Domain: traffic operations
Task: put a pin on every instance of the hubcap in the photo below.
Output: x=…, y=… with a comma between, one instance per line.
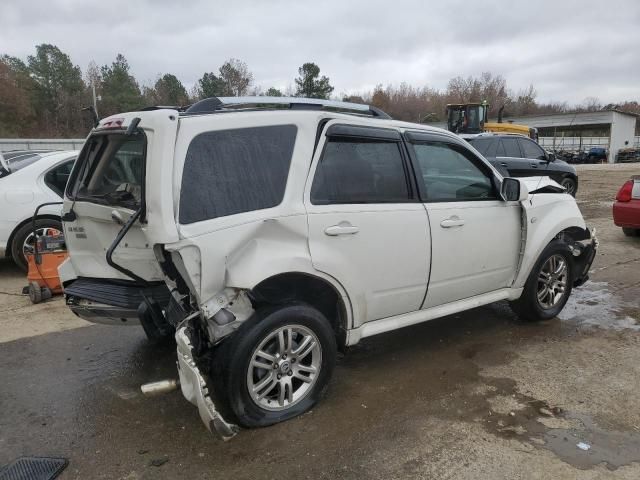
x=552, y=281
x=27, y=246
x=284, y=367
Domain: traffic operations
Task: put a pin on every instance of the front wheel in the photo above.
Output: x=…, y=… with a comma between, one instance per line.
x=278, y=364
x=570, y=185
x=631, y=232
x=549, y=284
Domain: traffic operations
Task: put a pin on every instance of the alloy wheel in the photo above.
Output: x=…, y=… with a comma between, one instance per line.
x=552, y=281
x=284, y=367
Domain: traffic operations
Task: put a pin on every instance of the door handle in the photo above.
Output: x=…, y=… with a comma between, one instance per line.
x=503, y=164
x=452, y=222
x=534, y=165
x=341, y=229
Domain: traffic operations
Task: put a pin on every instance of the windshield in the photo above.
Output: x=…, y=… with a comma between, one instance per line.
x=111, y=170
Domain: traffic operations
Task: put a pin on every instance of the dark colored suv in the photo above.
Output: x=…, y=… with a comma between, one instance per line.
x=519, y=156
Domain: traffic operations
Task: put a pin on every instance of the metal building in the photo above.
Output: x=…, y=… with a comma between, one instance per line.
x=611, y=129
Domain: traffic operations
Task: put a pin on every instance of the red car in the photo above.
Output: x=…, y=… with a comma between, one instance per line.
x=626, y=209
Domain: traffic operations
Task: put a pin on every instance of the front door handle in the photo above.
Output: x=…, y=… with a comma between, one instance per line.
x=504, y=164
x=534, y=165
x=450, y=222
x=343, y=228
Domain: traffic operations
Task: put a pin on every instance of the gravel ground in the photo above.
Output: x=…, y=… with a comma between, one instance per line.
x=474, y=395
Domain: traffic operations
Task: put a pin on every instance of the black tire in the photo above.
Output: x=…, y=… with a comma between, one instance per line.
x=631, y=232
x=35, y=292
x=23, y=233
x=527, y=306
x=235, y=356
x=571, y=185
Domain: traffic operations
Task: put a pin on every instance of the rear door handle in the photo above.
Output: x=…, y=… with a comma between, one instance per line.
x=341, y=229
x=504, y=164
x=452, y=222
x=534, y=165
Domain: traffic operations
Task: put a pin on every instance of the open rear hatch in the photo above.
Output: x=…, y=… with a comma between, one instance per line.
x=112, y=267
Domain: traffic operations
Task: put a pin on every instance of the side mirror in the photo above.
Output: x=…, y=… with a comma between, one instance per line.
x=551, y=157
x=513, y=190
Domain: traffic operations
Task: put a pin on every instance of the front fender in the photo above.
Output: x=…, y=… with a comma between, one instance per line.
x=545, y=215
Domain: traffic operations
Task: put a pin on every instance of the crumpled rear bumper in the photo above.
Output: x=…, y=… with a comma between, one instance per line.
x=194, y=388
x=584, y=258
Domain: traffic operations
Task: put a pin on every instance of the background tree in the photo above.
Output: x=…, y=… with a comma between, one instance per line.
x=120, y=91
x=16, y=113
x=309, y=84
x=211, y=86
x=168, y=90
x=236, y=77
x=59, y=91
x=273, y=92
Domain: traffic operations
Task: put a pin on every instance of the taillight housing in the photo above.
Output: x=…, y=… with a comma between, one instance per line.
x=624, y=194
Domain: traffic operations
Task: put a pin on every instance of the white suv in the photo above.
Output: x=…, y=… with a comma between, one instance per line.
x=266, y=233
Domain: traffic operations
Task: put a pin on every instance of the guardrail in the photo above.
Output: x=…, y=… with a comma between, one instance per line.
x=7, y=144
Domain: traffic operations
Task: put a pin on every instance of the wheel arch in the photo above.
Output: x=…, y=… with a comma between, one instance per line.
x=543, y=224
x=44, y=216
x=317, y=291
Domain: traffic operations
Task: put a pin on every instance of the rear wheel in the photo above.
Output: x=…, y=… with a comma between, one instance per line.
x=549, y=284
x=631, y=232
x=278, y=364
x=23, y=239
x=570, y=185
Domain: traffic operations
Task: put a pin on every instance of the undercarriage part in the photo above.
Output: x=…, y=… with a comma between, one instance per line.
x=160, y=387
x=195, y=389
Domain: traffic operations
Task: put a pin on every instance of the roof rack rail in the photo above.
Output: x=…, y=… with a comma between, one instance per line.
x=219, y=104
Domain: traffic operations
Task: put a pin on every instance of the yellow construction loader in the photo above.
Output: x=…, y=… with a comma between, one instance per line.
x=470, y=119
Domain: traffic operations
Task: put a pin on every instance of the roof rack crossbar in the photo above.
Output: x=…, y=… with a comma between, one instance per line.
x=210, y=105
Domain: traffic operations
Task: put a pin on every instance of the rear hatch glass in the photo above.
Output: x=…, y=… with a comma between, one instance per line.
x=110, y=170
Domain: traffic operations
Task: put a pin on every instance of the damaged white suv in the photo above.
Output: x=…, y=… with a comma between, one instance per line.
x=266, y=233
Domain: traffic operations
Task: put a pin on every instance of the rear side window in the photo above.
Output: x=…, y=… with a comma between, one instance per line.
x=360, y=171
x=56, y=178
x=488, y=147
x=511, y=148
x=233, y=171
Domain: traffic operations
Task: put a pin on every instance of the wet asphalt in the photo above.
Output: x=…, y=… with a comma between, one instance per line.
x=474, y=395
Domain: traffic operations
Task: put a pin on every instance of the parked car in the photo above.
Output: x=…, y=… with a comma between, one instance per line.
x=28, y=179
x=268, y=238
x=626, y=209
x=519, y=156
x=596, y=155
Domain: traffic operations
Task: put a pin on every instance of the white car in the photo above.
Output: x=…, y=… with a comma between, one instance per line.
x=267, y=238
x=29, y=179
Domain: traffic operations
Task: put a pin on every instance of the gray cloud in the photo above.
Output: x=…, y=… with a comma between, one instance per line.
x=568, y=50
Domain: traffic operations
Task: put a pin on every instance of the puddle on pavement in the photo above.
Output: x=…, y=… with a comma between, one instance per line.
x=596, y=306
x=548, y=427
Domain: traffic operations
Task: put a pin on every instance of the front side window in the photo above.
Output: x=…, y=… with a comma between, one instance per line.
x=531, y=149
x=233, y=171
x=111, y=170
x=450, y=173
x=355, y=170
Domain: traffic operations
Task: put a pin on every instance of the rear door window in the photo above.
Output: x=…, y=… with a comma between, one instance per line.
x=511, y=148
x=359, y=170
x=233, y=171
x=56, y=178
x=486, y=146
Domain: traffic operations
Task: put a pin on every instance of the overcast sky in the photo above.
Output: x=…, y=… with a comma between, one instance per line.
x=569, y=50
